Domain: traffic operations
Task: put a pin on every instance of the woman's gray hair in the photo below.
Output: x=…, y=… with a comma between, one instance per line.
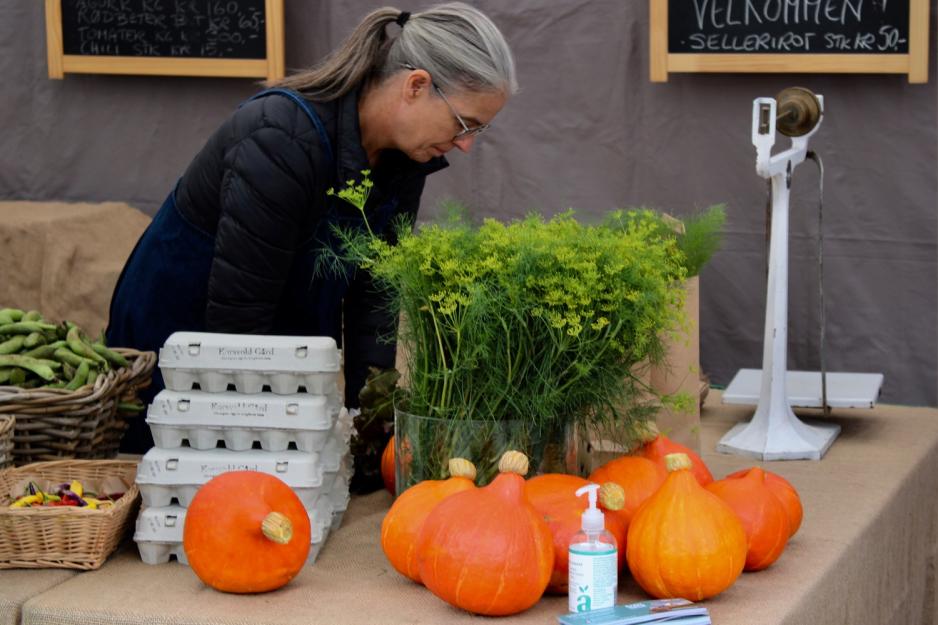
x=457, y=44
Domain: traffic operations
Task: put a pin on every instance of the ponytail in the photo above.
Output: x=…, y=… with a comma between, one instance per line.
x=458, y=45
x=350, y=64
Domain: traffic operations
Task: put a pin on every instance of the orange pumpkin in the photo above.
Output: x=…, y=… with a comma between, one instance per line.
x=554, y=496
x=685, y=541
x=387, y=466
x=659, y=446
x=785, y=492
x=487, y=550
x=246, y=532
x=763, y=516
x=638, y=477
x=401, y=525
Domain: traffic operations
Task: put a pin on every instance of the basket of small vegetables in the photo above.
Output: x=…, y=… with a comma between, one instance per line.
x=65, y=513
x=71, y=395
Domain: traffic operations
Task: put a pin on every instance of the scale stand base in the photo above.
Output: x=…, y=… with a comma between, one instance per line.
x=791, y=438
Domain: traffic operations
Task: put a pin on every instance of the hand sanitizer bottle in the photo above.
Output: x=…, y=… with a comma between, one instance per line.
x=594, y=560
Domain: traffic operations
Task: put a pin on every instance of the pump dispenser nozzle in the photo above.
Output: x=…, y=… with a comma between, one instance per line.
x=592, y=519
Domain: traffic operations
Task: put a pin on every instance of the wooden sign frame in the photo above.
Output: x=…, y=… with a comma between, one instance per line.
x=271, y=67
x=915, y=63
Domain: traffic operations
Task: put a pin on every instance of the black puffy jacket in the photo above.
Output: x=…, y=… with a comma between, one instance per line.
x=235, y=245
x=259, y=186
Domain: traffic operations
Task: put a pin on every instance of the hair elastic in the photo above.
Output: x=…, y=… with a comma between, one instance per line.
x=402, y=18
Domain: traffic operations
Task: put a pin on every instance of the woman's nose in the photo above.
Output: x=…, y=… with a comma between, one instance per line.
x=464, y=143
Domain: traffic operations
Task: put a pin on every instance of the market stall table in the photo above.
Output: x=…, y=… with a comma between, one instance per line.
x=17, y=586
x=866, y=552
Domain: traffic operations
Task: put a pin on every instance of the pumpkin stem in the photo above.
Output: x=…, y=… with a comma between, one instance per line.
x=611, y=496
x=513, y=462
x=460, y=467
x=277, y=527
x=675, y=462
x=647, y=432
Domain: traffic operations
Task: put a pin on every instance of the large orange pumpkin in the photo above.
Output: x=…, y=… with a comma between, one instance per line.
x=659, y=446
x=387, y=466
x=785, y=492
x=638, y=477
x=487, y=550
x=554, y=496
x=246, y=532
x=762, y=514
x=685, y=541
x=401, y=525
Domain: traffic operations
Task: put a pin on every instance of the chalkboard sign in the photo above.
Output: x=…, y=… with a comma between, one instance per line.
x=796, y=36
x=175, y=37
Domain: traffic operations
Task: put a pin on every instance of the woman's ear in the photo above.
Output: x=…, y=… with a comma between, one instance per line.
x=416, y=84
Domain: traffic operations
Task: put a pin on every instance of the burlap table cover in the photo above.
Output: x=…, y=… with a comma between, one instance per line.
x=866, y=553
x=17, y=586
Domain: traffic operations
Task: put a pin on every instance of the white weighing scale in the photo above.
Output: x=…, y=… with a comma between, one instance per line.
x=775, y=433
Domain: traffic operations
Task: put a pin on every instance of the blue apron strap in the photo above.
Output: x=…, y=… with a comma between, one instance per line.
x=303, y=104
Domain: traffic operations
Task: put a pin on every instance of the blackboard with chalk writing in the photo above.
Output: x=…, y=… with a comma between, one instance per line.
x=789, y=26
x=180, y=28
x=187, y=37
x=789, y=36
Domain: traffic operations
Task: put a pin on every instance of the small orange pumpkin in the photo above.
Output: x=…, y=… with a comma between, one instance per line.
x=401, y=525
x=685, y=541
x=785, y=492
x=658, y=446
x=246, y=532
x=554, y=496
x=387, y=466
x=638, y=477
x=762, y=514
x=487, y=550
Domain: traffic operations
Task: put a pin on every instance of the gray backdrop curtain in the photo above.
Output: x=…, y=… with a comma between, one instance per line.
x=588, y=131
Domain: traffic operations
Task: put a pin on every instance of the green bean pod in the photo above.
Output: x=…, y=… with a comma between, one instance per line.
x=42, y=368
x=17, y=376
x=77, y=345
x=81, y=375
x=45, y=351
x=113, y=357
x=25, y=327
x=34, y=339
x=65, y=355
x=13, y=313
x=13, y=345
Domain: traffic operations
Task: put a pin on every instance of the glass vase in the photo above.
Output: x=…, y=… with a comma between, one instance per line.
x=424, y=445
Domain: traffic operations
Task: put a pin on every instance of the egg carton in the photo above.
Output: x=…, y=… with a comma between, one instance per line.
x=165, y=475
x=214, y=361
x=339, y=495
x=241, y=420
x=159, y=532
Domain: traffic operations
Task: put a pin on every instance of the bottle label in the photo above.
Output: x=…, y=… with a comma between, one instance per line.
x=593, y=578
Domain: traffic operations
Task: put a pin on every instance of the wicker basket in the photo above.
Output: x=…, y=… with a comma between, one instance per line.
x=6, y=440
x=104, y=441
x=54, y=424
x=65, y=537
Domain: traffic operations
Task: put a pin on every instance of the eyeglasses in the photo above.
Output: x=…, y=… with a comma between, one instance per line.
x=466, y=131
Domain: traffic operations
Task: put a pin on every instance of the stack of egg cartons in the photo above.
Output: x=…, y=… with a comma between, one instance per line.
x=299, y=425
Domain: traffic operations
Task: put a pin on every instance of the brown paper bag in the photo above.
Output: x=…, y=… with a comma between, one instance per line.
x=680, y=373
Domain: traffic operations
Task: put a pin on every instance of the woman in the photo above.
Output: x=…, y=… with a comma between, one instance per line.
x=234, y=246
